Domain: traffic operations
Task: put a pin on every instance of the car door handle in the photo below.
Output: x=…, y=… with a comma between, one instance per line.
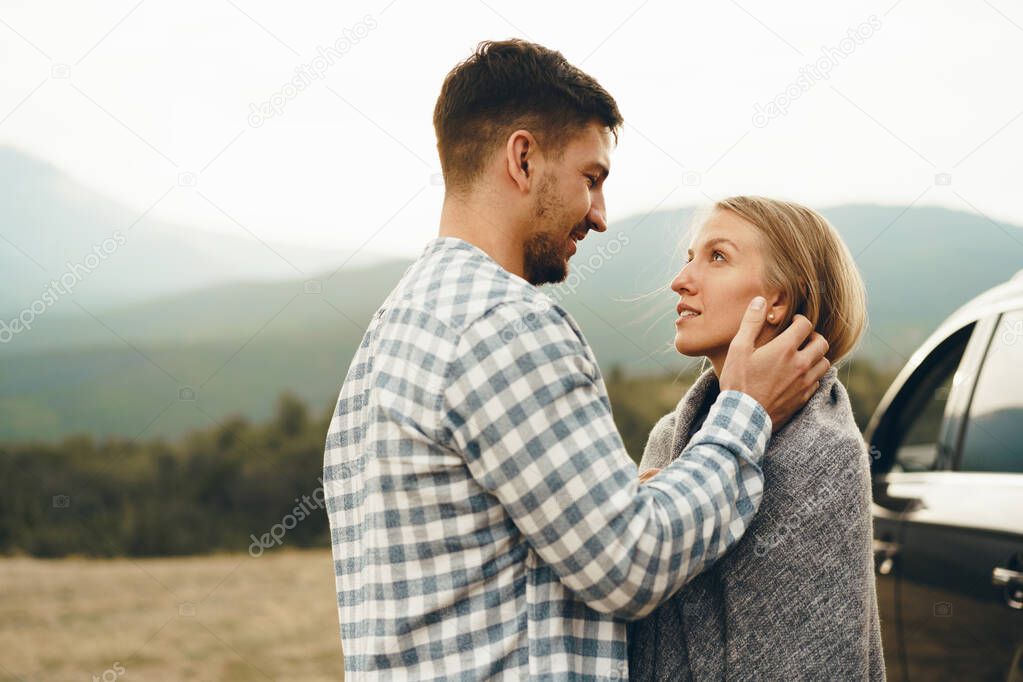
x=884, y=556
x=1012, y=582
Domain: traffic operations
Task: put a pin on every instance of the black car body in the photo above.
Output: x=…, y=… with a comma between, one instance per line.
x=946, y=444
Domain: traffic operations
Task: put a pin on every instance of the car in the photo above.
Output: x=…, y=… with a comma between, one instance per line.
x=946, y=446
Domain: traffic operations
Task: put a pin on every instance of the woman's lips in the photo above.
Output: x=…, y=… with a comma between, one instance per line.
x=685, y=318
x=685, y=312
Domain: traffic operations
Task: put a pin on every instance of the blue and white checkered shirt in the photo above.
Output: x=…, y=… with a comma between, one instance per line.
x=486, y=520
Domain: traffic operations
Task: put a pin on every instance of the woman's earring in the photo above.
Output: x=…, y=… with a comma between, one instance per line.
x=771, y=317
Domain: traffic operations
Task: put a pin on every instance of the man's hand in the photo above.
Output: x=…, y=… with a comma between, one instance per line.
x=782, y=374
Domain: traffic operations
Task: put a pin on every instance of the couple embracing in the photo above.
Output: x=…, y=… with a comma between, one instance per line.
x=486, y=520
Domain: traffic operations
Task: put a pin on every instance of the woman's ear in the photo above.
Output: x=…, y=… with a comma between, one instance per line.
x=777, y=308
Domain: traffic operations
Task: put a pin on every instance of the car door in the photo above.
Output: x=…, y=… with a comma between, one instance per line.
x=960, y=581
x=912, y=441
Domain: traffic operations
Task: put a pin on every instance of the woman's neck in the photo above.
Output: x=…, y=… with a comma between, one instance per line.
x=717, y=361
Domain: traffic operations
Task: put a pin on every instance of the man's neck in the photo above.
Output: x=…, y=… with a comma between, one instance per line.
x=472, y=224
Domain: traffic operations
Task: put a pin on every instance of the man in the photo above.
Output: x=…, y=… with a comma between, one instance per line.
x=486, y=520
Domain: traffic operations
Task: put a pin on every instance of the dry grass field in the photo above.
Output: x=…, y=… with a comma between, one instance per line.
x=221, y=617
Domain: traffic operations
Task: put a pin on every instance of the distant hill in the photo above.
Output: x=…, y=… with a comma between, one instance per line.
x=919, y=264
x=47, y=221
x=161, y=356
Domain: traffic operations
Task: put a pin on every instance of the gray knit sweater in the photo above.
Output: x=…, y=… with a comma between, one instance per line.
x=795, y=598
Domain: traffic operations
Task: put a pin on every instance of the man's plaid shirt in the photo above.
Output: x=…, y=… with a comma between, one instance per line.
x=486, y=520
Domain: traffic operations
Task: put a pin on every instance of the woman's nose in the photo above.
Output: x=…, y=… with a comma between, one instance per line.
x=683, y=282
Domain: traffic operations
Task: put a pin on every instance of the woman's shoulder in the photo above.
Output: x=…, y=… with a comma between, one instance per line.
x=817, y=471
x=828, y=412
x=824, y=433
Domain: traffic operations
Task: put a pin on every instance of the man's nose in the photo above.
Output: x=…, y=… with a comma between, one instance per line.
x=597, y=216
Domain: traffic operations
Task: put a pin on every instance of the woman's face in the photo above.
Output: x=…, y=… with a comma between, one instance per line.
x=724, y=272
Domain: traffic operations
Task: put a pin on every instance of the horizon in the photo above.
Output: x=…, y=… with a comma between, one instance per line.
x=370, y=258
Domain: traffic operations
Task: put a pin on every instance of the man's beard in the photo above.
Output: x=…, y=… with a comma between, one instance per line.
x=544, y=260
x=544, y=253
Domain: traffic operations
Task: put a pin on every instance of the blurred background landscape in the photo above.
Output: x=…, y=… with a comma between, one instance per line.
x=181, y=417
x=191, y=247
x=188, y=416
x=219, y=327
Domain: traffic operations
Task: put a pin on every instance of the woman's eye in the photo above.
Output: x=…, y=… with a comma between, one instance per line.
x=714, y=255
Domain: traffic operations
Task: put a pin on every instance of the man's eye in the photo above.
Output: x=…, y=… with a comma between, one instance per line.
x=591, y=180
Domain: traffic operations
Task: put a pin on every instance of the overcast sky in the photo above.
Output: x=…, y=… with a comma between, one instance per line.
x=159, y=104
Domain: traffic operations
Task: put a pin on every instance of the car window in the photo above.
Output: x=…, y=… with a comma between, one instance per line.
x=994, y=430
x=921, y=411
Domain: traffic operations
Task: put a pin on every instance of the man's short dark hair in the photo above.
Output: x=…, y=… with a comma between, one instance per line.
x=507, y=85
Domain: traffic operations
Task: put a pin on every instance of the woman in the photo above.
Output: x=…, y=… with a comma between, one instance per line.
x=795, y=598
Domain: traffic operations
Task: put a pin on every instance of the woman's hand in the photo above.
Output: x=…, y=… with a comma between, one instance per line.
x=646, y=475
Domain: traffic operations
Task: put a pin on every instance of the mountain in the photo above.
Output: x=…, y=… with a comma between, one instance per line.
x=148, y=354
x=51, y=226
x=918, y=264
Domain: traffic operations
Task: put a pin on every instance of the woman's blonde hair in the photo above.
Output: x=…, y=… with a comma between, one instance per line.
x=805, y=257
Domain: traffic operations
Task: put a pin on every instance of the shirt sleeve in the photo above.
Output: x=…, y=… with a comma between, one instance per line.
x=525, y=406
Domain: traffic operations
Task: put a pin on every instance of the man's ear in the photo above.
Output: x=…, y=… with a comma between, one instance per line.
x=522, y=158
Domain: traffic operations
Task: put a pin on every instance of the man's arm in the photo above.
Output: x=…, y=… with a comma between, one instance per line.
x=781, y=375
x=523, y=405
